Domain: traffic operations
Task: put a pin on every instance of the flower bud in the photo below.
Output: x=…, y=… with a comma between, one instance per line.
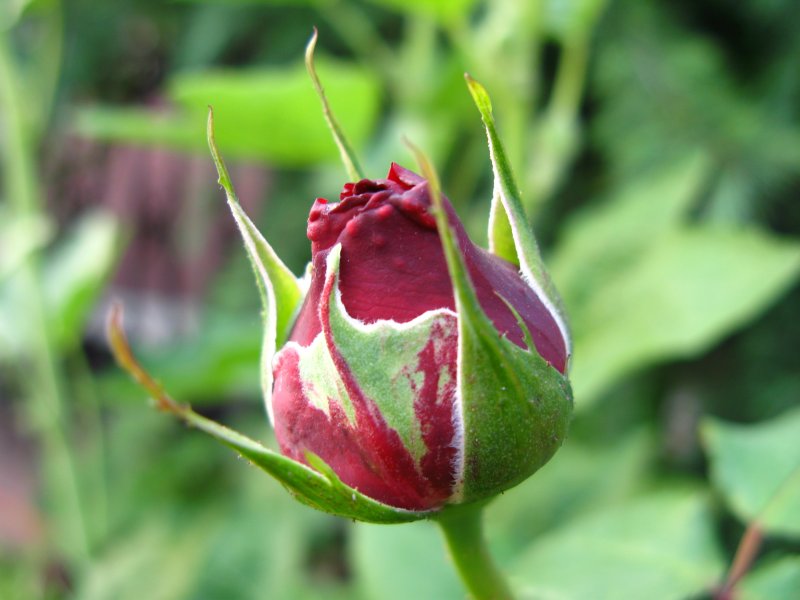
x=385, y=378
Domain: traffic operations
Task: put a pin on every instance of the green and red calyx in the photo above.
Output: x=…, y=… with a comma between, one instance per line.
x=414, y=370
x=373, y=378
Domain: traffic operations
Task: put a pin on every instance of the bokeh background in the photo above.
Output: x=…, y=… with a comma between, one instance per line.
x=657, y=146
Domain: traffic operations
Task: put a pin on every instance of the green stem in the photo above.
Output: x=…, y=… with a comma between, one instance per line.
x=369, y=45
x=44, y=381
x=557, y=127
x=463, y=531
x=19, y=174
x=571, y=76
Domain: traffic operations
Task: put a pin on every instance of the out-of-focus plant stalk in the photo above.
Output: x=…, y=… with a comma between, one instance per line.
x=44, y=383
x=368, y=45
x=541, y=164
x=557, y=130
x=753, y=537
x=515, y=87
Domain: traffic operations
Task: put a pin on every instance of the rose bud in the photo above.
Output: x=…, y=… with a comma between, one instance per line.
x=417, y=372
x=370, y=379
x=418, y=375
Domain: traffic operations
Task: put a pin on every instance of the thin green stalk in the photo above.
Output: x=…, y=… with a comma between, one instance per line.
x=346, y=152
x=519, y=88
x=462, y=527
x=571, y=76
x=557, y=127
x=83, y=387
x=19, y=173
x=418, y=56
x=44, y=382
x=46, y=64
x=367, y=44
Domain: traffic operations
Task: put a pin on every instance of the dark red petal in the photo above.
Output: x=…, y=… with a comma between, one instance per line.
x=393, y=266
x=408, y=179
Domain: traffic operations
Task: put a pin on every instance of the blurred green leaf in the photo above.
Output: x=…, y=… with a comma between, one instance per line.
x=580, y=477
x=442, y=10
x=780, y=578
x=219, y=362
x=566, y=18
x=659, y=546
x=75, y=272
x=757, y=469
x=141, y=126
x=231, y=551
x=19, y=576
x=690, y=288
x=606, y=237
x=262, y=544
x=398, y=563
x=269, y=114
x=11, y=11
x=675, y=88
x=131, y=569
x=250, y=535
x=19, y=237
x=266, y=2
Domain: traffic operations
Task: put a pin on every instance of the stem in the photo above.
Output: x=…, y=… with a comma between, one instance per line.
x=44, y=380
x=346, y=151
x=462, y=527
x=745, y=555
x=571, y=76
x=369, y=45
x=750, y=544
x=557, y=127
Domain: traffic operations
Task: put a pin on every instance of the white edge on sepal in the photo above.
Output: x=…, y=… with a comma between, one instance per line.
x=531, y=265
x=270, y=309
x=467, y=306
x=304, y=282
x=458, y=442
x=258, y=250
x=528, y=274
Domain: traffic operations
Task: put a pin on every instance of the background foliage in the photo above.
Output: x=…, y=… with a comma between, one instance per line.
x=658, y=147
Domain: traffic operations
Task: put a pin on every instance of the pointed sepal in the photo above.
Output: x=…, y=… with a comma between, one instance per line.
x=346, y=151
x=510, y=236
x=515, y=407
x=317, y=486
x=281, y=292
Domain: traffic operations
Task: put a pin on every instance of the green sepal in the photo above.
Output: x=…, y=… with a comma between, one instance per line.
x=346, y=152
x=281, y=292
x=510, y=236
x=516, y=408
x=318, y=487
